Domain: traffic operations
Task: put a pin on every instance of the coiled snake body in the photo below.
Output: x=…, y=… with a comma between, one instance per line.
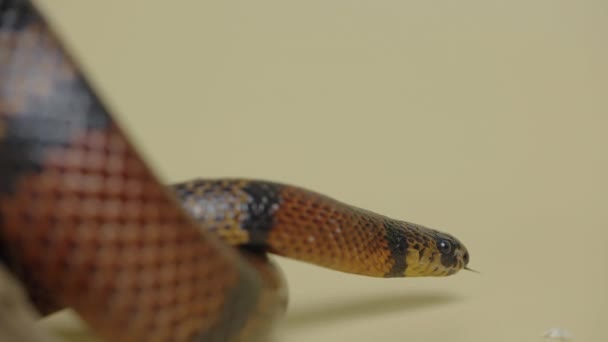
x=84, y=222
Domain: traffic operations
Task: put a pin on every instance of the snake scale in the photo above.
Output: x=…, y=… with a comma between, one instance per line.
x=86, y=224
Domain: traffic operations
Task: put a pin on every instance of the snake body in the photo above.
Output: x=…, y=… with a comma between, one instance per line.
x=85, y=222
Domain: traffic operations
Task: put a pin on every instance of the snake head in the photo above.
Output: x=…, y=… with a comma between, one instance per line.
x=434, y=253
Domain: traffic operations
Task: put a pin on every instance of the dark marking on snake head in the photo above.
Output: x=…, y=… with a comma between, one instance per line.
x=398, y=245
x=264, y=200
x=421, y=252
x=447, y=246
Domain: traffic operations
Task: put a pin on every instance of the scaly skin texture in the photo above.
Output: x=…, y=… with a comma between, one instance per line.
x=85, y=223
x=308, y=226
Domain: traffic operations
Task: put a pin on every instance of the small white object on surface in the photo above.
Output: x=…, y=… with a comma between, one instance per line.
x=558, y=334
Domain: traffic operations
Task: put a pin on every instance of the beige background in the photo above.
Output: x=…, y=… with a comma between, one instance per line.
x=485, y=119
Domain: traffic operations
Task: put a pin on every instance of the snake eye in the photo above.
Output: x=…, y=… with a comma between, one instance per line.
x=444, y=246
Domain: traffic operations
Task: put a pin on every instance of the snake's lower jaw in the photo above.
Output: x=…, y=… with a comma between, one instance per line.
x=428, y=271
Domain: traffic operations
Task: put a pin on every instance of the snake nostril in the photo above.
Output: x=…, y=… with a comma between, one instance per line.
x=465, y=258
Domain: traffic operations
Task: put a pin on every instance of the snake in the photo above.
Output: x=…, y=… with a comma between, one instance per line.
x=86, y=223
